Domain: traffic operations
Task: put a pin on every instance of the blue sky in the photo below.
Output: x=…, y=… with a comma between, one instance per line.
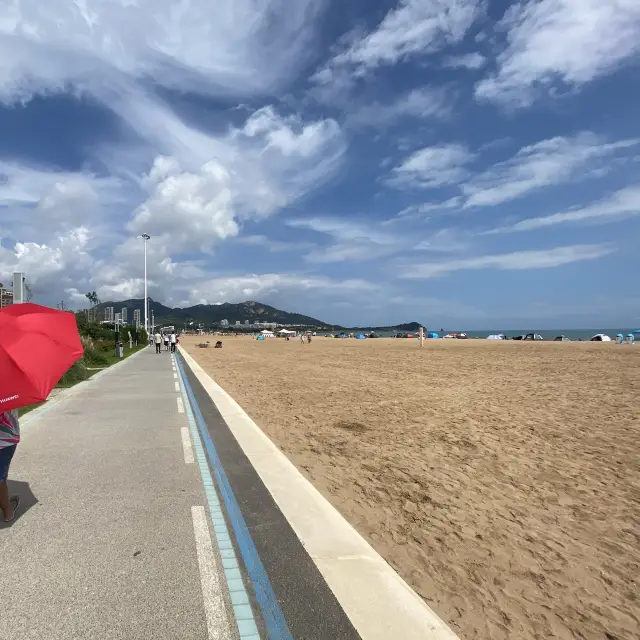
x=463, y=163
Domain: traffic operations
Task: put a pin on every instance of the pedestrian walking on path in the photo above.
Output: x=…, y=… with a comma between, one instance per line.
x=158, y=340
x=9, y=439
x=172, y=340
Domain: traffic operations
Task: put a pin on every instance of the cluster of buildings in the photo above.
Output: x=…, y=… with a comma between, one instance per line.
x=247, y=324
x=109, y=315
x=224, y=324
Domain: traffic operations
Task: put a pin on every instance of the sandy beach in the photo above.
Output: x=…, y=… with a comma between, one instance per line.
x=501, y=480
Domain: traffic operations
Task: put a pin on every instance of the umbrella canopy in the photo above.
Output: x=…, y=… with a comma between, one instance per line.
x=37, y=346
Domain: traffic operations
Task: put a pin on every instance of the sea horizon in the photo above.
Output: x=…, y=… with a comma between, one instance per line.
x=547, y=334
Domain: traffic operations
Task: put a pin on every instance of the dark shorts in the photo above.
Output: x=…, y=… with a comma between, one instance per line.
x=6, y=453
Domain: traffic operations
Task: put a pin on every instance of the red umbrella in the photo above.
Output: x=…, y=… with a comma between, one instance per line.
x=37, y=346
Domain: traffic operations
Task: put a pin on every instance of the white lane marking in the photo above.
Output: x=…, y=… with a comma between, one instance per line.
x=177, y=386
x=214, y=606
x=180, y=405
x=186, y=445
x=175, y=375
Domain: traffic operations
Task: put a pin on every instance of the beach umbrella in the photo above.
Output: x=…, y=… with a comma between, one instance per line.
x=37, y=346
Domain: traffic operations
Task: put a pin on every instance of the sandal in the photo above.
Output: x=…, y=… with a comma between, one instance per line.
x=15, y=501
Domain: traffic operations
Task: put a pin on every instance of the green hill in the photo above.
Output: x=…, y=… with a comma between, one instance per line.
x=209, y=314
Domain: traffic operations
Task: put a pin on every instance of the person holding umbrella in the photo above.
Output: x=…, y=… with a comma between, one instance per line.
x=37, y=347
x=9, y=439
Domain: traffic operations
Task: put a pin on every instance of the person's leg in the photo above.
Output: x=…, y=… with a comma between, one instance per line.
x=6, y=506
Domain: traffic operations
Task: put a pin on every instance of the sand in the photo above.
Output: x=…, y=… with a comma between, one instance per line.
x=501, y=480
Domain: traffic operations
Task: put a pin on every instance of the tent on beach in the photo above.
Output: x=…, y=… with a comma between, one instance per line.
x=600, y=337
x=267, y=334
x=361, y=336
x=496, y=336
x=433, y=335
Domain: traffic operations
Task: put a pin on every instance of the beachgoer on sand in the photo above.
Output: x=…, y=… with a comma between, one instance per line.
x=9, y=439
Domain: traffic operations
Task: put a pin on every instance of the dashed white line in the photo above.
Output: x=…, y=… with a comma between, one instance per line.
x=177, y=386
x=175, y=375
x=214, y=606
x=186, y=446
x=180, y=405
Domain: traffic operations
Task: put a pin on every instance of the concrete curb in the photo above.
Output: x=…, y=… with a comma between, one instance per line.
x=71, y=391
x=379, y=603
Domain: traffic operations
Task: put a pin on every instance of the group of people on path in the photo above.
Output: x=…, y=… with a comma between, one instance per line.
x=170, y=340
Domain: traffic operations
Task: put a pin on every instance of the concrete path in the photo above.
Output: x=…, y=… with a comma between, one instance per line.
x=113, y=540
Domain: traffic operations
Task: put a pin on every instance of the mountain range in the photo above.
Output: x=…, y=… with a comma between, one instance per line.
x=250, y=310
x=214, y=313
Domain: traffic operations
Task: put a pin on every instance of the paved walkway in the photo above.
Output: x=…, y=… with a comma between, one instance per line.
x=106, y=547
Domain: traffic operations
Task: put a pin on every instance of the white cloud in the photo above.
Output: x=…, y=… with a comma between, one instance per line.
x=37, y=196
x=269, y=285
x=49, y=265
x=426, y=208
x=443, y=241
x=545, y=163
x=624, y=203
x=465, y=61
x=193, y=210
x=357, y=241
x=434, y=166
x=351, y=240
x=415, y=27
x=257, y=169
x=421, y=104
x=571, y=41
x=236, y=48
x=519, y=260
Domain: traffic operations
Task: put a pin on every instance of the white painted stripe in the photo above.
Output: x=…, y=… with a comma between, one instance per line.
x=186, y=446
x=379, y=603
x=175, y=374
x=177, y=386
x=180, y=405
x=214, y=606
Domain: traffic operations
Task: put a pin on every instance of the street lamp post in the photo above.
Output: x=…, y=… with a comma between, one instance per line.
x=146, y=237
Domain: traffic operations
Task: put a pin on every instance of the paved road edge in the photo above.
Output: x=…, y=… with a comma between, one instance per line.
x=375, y=598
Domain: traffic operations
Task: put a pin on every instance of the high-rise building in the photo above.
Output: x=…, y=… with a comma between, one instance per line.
x=118, y=318
x=108, y=314
x=6, y=296
x=246, y=322
x=124, y=315
x=237, y=323
x=224, y=323
x=19, y=288
x=136, y=317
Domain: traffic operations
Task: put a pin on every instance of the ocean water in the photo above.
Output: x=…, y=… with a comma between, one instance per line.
x=547, y=334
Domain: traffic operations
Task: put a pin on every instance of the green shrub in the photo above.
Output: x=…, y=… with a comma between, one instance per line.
x=96, y=359
x=76, y=373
